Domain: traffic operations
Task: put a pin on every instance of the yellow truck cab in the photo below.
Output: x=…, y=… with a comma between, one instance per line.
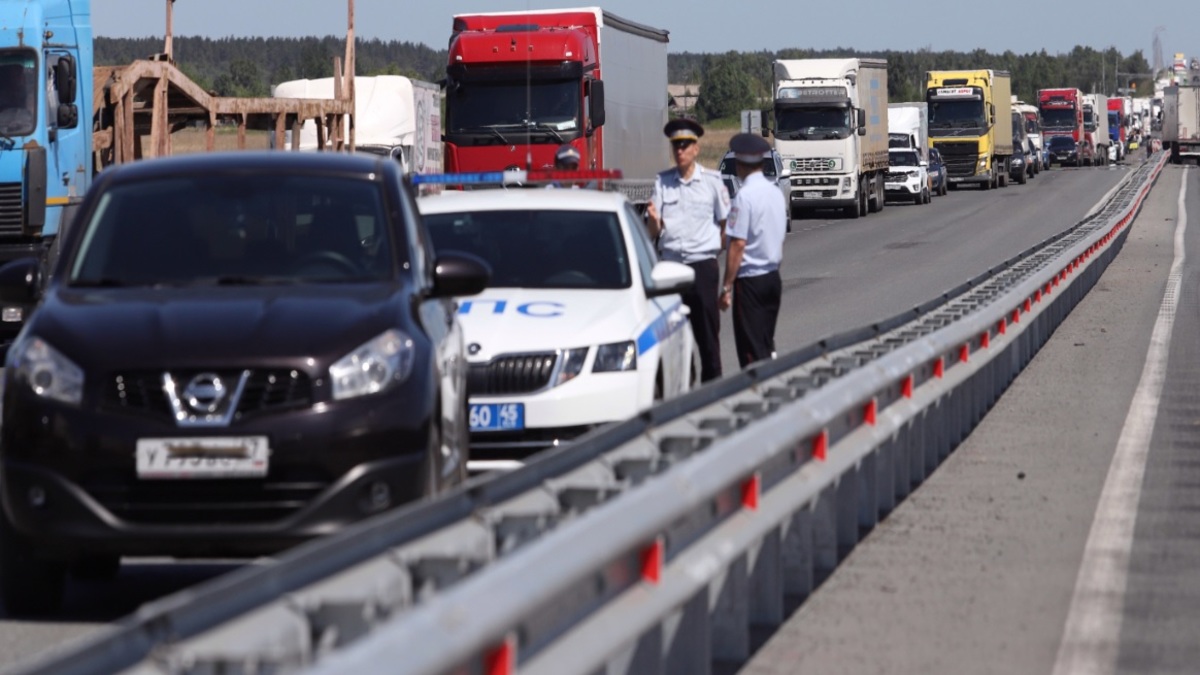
x=970, y=124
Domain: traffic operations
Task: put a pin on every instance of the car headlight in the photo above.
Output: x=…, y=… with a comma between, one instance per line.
x=374, y=366
x=572, y=365
x=615, y=358
x=48, y=373
x=914, y=174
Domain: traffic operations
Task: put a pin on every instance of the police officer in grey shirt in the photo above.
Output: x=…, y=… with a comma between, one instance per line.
x=687, y=214
x=757, y=225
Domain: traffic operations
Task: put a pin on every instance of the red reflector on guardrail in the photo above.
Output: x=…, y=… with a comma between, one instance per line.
x=502, y=660
x=652, y=562
x=750, y=492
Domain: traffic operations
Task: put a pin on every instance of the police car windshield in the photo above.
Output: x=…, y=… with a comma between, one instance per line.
x=531, y=248
x=236, y=229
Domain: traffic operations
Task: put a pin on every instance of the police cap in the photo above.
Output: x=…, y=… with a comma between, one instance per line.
x=566, y=154
x=749, y=148
x=683, y=129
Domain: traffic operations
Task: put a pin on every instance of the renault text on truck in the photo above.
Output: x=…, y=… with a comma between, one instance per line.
x=831, y=128
x=1095, y=126
x=1062, y=115
x=519, y=84
x=970, y=123
x=45, y=130
x=1181, y=123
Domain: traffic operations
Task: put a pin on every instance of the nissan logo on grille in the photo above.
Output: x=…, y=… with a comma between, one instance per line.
x=205, y=392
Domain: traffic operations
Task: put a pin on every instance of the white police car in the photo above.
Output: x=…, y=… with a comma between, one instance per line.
x=581, y=325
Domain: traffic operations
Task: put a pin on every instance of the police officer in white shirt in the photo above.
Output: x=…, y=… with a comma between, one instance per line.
x=687, y=214
x=757, y=225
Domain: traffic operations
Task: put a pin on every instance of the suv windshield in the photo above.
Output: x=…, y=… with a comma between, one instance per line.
x=729, y=166
x=236, y=229
x=908, y=158
x=531, y=248
x=18, y=92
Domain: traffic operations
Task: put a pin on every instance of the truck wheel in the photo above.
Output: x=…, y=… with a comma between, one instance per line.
x=1002, y=180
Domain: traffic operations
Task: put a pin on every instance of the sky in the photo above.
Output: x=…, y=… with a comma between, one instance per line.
x=708, y=25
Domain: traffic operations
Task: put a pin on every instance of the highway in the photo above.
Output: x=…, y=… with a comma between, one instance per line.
x=978, y=570
x=953, y=586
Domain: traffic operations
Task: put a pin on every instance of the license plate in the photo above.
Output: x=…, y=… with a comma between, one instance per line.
x=497, y=416
x=209, y=457
x=812, y=195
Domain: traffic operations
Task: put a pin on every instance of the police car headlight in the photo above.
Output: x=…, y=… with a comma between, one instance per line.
x=572, y=365
x=46, y=371
x=616, y=357
x=374, y=366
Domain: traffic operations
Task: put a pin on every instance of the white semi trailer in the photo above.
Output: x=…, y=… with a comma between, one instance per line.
x=831, y=129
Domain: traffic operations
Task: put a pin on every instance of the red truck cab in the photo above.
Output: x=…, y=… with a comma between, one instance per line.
x=518, y=85
x=1062, y=115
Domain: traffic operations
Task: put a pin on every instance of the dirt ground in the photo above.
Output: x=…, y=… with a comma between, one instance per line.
x=188, y=141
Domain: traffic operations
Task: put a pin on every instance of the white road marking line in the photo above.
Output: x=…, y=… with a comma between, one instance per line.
x=1091, y=639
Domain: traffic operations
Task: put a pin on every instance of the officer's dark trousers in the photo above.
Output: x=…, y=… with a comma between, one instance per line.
x=755, y=310
x=705, y=317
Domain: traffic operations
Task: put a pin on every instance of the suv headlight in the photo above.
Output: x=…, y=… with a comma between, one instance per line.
x=616, y=357
x=48, y=373
x=374, y=366
x=572, y=365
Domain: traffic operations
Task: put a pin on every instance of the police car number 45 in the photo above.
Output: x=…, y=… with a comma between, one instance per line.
x=497, y=416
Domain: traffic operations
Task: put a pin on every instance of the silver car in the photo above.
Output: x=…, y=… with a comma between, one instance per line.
x=773, y=170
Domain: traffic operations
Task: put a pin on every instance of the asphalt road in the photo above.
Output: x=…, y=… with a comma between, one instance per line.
x=838, y=274
x=977, y=571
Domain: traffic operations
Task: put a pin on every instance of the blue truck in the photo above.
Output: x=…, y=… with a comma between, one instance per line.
x=45, y=129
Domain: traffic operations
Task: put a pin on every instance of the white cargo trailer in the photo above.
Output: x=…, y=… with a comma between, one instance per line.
x=393, y=116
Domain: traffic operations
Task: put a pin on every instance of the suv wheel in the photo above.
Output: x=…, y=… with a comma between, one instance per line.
x=27, y=586
x=96, y=568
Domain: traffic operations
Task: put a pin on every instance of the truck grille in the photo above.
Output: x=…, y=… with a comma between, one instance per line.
x=960, y=158
x=266, y=391
x=11, y=210
x=814, y=164
x=516, y=374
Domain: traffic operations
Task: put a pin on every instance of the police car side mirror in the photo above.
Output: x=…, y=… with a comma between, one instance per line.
x=669, y=277
x=459, y=273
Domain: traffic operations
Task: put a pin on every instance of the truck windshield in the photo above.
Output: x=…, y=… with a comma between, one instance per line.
x=812, y=123
x=957, y=115
x=531, y=248
x=1031, y=125
x=1113, y=120
x=548, y=107
x=1058, y=118
x=1089, y=120
x=18, y=92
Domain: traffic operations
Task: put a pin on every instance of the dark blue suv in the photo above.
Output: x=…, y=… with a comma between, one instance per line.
x=937, y=172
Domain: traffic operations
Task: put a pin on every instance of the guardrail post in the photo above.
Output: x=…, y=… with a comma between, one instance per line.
x=799, y=548
x=868, y=490
x=643, y=657
x=893, y=461
x=825, y=535
x=688, y=644
x=766, y=580
x=729, y=607
x=847, y=511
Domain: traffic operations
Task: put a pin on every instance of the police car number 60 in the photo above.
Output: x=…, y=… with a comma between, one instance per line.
x=497, y=416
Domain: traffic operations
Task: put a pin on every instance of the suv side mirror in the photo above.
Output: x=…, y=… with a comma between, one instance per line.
x=20, y=279
x=460, y=273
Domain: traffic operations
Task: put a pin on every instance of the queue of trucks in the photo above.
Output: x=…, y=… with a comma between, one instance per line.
x=520, y=84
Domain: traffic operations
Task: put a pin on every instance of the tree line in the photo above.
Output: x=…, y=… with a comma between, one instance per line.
x=727, y=82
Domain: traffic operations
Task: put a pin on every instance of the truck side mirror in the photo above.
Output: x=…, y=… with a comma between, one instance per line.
x=862, y=122
x=67, y=116
x=596, y=104
x=64, y=79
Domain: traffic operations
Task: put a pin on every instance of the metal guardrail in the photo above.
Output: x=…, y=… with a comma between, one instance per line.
x=654, y=544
